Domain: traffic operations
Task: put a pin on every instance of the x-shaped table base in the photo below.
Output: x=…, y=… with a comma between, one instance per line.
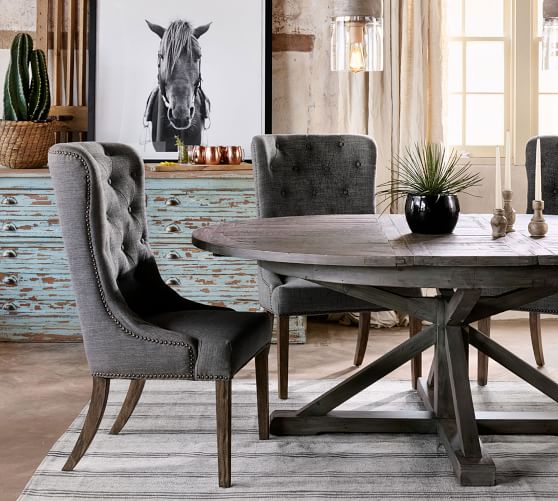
x=446, y=392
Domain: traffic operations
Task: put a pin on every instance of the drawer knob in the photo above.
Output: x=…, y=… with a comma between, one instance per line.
x=172, y=281
x=172, y=228
x=9, y=253
x=173, y=255
x=9, y=201
x=172, y=201
x=9, y=307
x=9, y=280
x=9, y=227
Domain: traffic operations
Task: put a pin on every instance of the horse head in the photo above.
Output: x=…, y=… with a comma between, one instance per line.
x=180, y=71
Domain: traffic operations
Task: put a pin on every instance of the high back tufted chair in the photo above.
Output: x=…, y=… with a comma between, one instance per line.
x=549, y=305
x=301, y=175
x=134, y=326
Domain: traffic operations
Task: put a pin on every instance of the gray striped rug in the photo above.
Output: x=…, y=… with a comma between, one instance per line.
x=167, y=451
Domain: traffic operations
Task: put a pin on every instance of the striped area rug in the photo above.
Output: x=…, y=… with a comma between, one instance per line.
x=168, y=451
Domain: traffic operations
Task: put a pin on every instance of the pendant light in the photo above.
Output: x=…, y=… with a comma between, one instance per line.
x=357, y=36
x=550, y=36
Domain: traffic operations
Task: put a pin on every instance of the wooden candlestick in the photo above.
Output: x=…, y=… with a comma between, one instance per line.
x=499, y=223
x=509, y=212
x=537, y=226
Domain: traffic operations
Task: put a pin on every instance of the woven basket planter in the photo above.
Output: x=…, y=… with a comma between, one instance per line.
x=25, y=145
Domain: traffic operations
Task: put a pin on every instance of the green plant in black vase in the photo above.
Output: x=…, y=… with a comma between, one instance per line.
x=429, y=177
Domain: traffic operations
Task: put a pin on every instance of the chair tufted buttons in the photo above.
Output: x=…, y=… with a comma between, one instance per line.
x=358, y=164
x=296, y=168
x=555, y=191
x=283, y=193
x=130, y=209
x=109, y=181
x=345, y=191
x=122, y=247
x=341, y=144
x=308, y=146
x=142, y=240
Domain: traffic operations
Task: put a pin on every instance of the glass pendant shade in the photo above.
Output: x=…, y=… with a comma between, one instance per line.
x=550, y=36
x=357, y=44
x=357, y=36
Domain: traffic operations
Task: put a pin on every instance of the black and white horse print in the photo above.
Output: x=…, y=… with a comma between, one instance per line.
x=178, y=106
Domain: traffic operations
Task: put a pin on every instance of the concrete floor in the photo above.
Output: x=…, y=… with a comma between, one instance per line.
x=44, y=386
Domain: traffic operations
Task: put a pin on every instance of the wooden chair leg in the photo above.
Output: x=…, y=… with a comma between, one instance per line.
x=283, y=356
x=223, y=401
x=99, y=395
x=536, y=338
x=482, y=359
x=415, y=326
x=132, y=398
x=262, y=391
x=362, y=340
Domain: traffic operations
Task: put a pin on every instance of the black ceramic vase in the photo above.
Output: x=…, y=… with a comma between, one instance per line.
x=432, y=214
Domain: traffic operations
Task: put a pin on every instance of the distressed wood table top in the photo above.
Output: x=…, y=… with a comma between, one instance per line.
x=379, y=241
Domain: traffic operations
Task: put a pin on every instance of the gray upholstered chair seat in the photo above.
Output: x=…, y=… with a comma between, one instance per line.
x=300, y=297
x=546, y=305
x=226, y=340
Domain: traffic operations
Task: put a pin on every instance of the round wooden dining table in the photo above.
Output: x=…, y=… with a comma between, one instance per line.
x=377, y=258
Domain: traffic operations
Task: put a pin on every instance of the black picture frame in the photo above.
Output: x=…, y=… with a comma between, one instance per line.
x=92, y=97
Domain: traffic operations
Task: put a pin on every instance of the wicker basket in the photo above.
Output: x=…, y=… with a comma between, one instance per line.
x=24, y=145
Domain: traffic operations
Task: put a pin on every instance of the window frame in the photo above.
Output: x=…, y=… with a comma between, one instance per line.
x=486, y=151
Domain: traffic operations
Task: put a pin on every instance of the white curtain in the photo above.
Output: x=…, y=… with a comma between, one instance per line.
x=404, y=104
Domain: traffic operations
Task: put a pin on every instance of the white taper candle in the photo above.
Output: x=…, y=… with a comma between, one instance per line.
x=538, y=173
x=507, y=179
x=498, y=181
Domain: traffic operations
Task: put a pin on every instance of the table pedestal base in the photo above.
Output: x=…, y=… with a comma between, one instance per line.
x=446, y=393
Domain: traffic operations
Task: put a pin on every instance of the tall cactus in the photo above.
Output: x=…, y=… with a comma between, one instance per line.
x=39, y=99
x=25, y=97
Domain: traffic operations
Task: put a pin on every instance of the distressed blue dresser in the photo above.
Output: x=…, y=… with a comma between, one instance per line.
x=36, y=298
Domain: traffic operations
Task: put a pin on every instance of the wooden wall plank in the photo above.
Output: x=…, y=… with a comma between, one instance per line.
x=292, y=42
x=41, y=38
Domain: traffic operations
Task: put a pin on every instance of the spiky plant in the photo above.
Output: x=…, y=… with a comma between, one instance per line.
x=26, y=88
x=428, y=169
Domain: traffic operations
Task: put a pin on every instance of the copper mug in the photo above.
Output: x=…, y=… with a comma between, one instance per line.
x=198, y=155
x=213, y=155
x=235, y=155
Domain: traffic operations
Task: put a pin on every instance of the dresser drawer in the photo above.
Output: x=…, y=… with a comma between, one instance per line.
x=28, y=203
x=19, y=225
x=32, y=256
x=217, y=199
x=37, y=307
x=21, y=326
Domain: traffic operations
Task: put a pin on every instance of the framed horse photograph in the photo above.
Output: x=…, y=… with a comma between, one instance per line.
x=190, y=71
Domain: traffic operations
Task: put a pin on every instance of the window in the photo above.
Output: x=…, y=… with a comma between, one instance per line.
x=478, y=74
x=495, y=81
x=547, y=88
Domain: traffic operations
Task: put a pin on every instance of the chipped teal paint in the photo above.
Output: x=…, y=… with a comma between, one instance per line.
x=34, y=278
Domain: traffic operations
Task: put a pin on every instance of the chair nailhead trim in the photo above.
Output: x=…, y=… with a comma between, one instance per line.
x=100, y=287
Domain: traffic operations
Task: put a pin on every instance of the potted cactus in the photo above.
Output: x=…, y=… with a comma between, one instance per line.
x=26, y=134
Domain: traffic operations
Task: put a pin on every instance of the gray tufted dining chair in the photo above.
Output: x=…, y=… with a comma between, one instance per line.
x=134, y=326
x=548, y=305
x=302, y=175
